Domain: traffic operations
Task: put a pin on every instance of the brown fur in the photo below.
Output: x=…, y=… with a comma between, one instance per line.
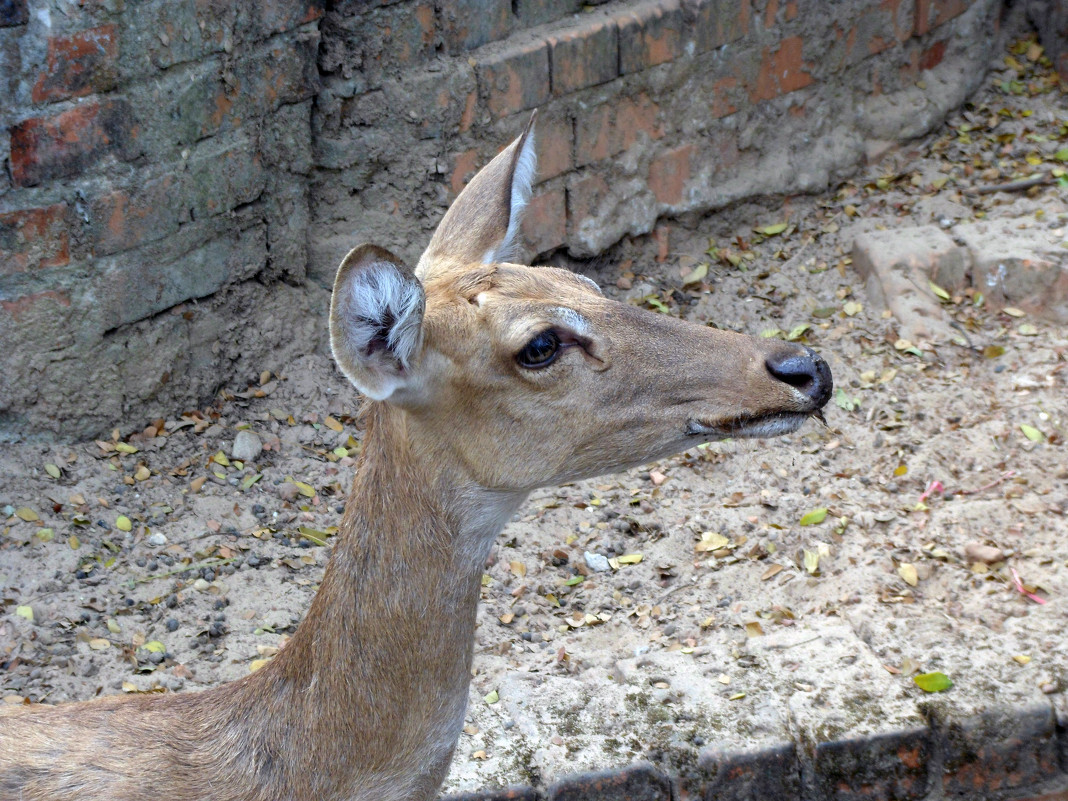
x=367, y=699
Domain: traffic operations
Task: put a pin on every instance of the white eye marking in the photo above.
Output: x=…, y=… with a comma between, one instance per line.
x=573, y=320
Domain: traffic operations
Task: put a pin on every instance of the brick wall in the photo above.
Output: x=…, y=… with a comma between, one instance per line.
x=177, y=170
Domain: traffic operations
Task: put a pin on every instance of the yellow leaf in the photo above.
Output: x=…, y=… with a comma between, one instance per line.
x=771, y=230
x=220, y=458
x=518, y=568
x=754, y=629
x=125, y=447
x=142, y=473
x=27, y=514
x=52, y=470
x=1012, y=311
x=491, y=698
x=630, y=559
x=814, y=517
x=938, y=290
x=736, y=697
x=696, y=275
x=908, y=573
x=332, y=424
x=113, y=627
x=25, y=612
x=307, y=490
x=123, y=523
x=1022, y=659
x=74, y=542
x=129, y=687
x=852, y=308
x=155, y=646
x=901, y=469
x=507, y=618
x=711, y=541
x=771, y=572
x=812, y=560
x=99, y=644
x=1032, y=433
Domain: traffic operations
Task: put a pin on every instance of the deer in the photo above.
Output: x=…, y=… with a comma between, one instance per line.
x=484, y=379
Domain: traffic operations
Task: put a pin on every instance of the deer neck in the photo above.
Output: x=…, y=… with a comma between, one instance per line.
x=382, y=661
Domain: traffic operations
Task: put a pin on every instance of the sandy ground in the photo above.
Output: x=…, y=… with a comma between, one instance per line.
x=155, y=560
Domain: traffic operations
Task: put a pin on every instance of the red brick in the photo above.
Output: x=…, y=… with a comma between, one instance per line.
x=770, y=13
x=721, y=104
x=545, y=221
x=668, y=174
x=515, y=79
x=13, y=12
x=782, y=71
x=584, y=196
x=471, y=23
x=276, y=16
x=650, y=34
x=27, y=304
x=718, y=23
x=584, y=56
x=122, y=219
x=614, y=127
x=78, y=65
x=553, y=144
x=464, y=166
x=932, y=13
x=44, y=148
x=34, y=238
x=932, y=56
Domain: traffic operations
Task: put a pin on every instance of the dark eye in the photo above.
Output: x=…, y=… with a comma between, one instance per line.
x=540, y=351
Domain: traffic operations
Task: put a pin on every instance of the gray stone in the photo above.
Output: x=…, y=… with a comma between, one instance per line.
x=247, y=446
x=597, y=562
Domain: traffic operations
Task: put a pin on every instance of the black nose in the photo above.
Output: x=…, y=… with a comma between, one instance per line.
x=806, y=371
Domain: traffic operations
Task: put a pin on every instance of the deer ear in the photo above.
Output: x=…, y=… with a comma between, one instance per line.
x=376, y=321
x=483, y=224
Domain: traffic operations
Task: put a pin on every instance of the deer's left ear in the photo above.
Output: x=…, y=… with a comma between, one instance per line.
x=482, y=225
x=376, y=319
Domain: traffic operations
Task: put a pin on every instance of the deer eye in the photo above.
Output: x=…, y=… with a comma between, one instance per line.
x=541, y=351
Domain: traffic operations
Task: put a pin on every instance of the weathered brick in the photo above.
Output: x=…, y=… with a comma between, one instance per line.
x=180, y=32
x=125, y=218
x=614, y=127
x=999, y=751
x=584, y=56
x=552, y=142
x=370, y=41
x=28, y=306
x=34, y=238
x=472, y=23
x=781, y=71
x=769, y=773
x=640, y=782
x=44, y=148
x=463, y=169
x=719, y=22
x=13, y=12
x=669, y=172
x=584, y=196
x=880, y=768
x=545, y=221
x=650, y=34
x=932, y=56
x=266, y=17
x=515, y=79
x=507, y=794
x=78, y=65
x=537, y=12
x=932, y=13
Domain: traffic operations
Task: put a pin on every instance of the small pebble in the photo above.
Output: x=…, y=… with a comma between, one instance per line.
x=200, y=585
x=247, y=447
x=172, y=624
x=156, y=539
x=597, y=562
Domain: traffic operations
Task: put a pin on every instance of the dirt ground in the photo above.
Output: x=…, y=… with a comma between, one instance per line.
x=154, y=560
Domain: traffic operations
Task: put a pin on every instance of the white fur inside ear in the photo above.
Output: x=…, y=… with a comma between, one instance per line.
x=384, y=309
x=526, y=165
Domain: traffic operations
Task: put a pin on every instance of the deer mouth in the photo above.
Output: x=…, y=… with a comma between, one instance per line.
x=752, y=426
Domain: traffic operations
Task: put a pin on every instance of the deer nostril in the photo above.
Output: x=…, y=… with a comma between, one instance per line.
x=804, y=370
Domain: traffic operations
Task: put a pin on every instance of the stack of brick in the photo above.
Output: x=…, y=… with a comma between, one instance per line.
x=166, y=152
x=646, y=108
x=157, y=153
